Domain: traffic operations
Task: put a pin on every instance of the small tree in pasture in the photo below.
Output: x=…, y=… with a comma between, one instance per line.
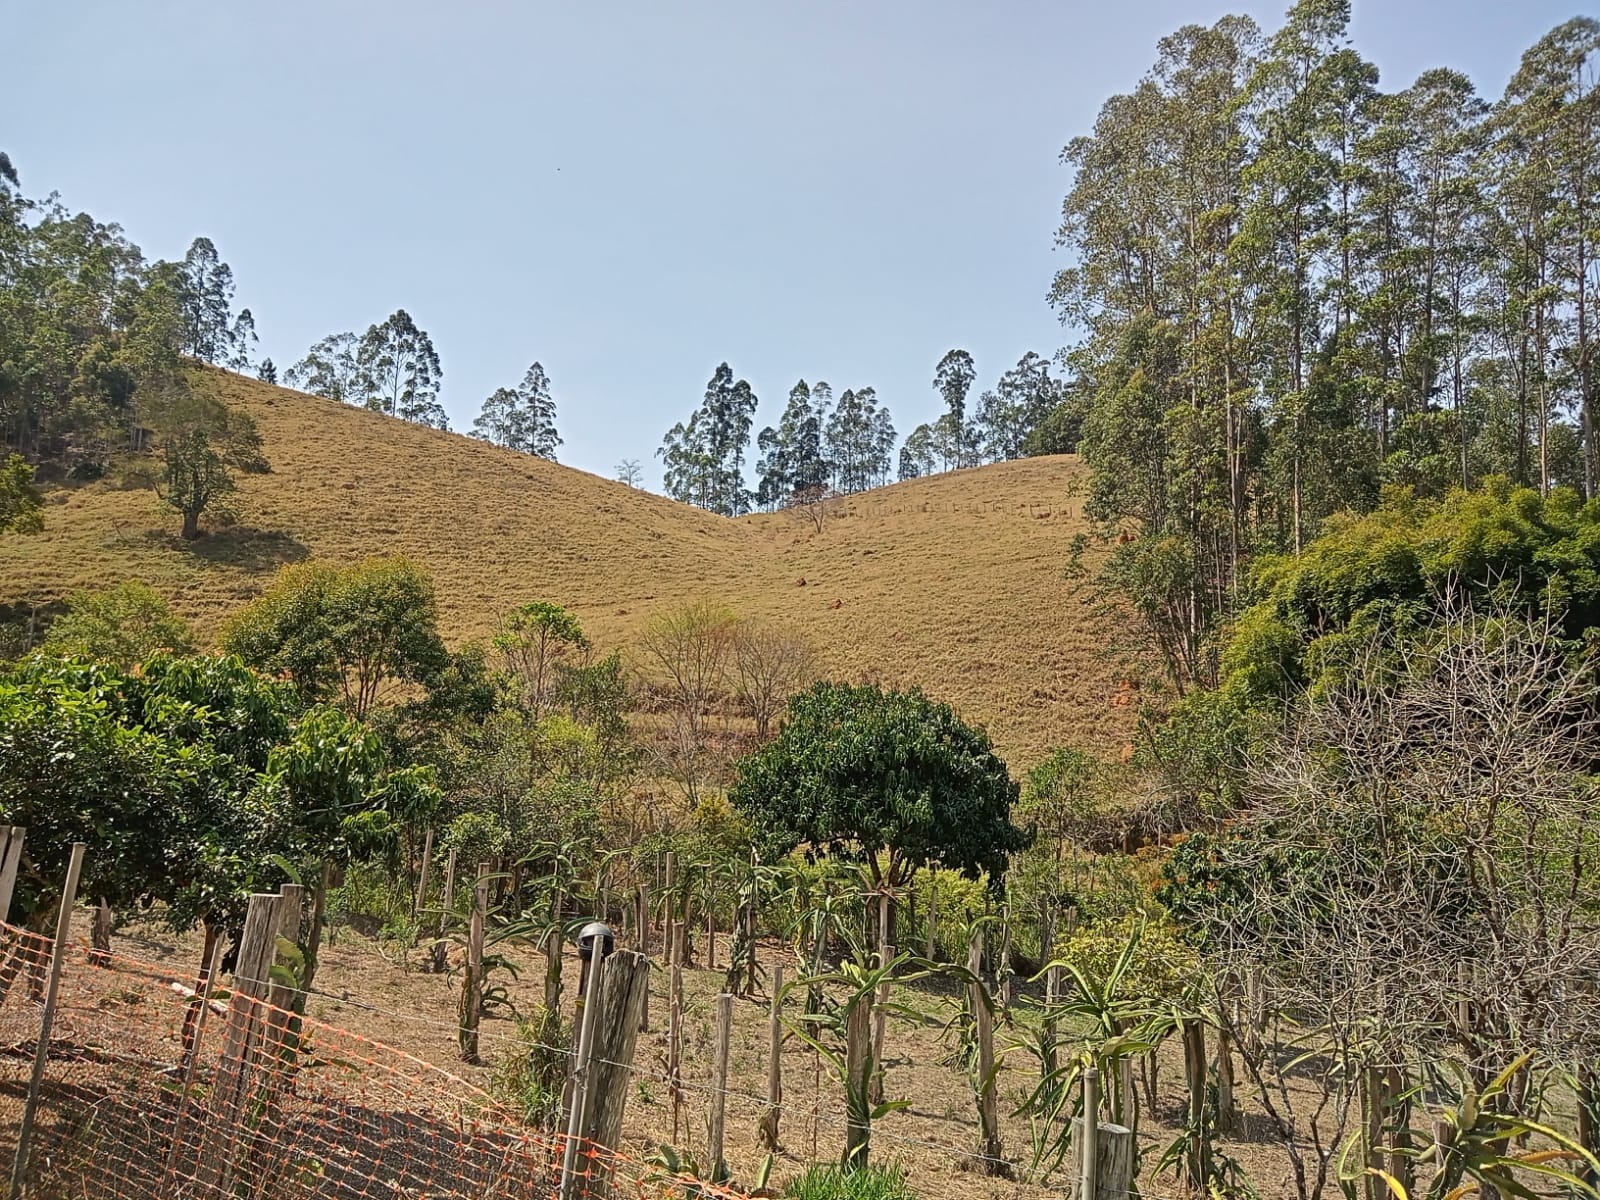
x=202, y=443
x=534, y=642
x=891, y=779
x=770, y=665
x=352, y=633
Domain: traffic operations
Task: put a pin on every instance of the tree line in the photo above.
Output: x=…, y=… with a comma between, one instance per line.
x=1296, y=289
x=823, y=446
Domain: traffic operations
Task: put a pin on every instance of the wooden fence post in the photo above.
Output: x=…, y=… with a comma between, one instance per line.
x=675, y=1043
x=991, y=1151
x=769, y=1119
x=624, y=983
x=578, y=1077
x=1088, y=1135
x=10, y=861
x=472, y=978
x=440, y=946
x=191, y=1060
x=422, y=876
x=222, y=1140
x=933, y=916
x=880, y=1015
x=717, y=1124
x=41, y=1052
x=858, y=1063
x=1198, y=1159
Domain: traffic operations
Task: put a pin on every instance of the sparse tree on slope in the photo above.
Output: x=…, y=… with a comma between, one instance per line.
x=523, y=418
x=202, y=443
x=952, y=379
x=398, y=372
x=329, y=370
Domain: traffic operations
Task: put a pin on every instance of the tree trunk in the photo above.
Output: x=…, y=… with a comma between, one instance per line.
x=191, y=526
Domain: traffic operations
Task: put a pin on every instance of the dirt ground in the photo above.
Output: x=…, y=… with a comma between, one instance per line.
x=384, y=993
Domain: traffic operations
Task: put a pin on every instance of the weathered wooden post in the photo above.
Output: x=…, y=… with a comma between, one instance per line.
x=1198, y=1159
x=858, y=1069
x=933, y=915
x=991, y=1152
x=880, y=1012
x=624, y=979
x=1088, y=1136
x=222, y=1140
x=717, y=1124
x=675, y=1043
x=594, y=942
x=422, y=876
x=191, y=1060
x=11, y=839
x=471, y=1011
x=769, y=1119
x=440, y=946
x=41, y=1052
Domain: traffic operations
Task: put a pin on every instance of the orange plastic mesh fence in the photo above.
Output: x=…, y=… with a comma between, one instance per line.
x=149, y=1092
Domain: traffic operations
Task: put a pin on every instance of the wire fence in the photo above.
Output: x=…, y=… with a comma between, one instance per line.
x=153, y=1089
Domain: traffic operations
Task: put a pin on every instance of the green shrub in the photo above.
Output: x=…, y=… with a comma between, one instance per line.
x=529, y=1078
x=826, y=1181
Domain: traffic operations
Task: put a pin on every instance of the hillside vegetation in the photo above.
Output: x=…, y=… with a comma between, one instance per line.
x=954, y=582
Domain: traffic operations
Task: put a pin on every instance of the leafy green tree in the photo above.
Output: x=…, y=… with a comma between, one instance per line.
x=202, y=443
x=355, y=634
x=267, y=371
x=1023, y=399
x=704, y=457
x=535, y=642
x=398, y=372
x=21, y=503
x=123, y=625
x=891, y=779
x=523, y=418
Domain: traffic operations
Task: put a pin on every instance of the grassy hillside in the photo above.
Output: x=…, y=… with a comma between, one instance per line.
x=952, y=582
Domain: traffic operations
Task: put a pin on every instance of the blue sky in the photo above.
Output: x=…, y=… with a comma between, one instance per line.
x=628, y=192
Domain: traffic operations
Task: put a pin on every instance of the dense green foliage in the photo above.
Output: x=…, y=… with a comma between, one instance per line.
x=352, y=633
x=1391, y=570
x=123, y=625
x=1297, y=287
x=860, y=772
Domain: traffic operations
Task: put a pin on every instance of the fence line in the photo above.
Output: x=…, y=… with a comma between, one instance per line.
x=325, y=1113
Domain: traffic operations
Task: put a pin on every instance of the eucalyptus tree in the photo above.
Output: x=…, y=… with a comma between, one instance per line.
x=860, y=440
x=398, y=371
x=211, y=331
x=521, y=418
x=703, y=458
x=952, y=379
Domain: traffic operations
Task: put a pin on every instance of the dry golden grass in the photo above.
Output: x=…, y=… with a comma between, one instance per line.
x=954, y=582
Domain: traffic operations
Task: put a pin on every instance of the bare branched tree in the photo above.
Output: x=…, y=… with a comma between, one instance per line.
x=770, y=665
x=1418, y=879
x=685, y=657
x=817, y=505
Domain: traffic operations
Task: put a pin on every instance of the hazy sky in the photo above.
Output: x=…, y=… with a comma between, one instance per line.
x=629, y=192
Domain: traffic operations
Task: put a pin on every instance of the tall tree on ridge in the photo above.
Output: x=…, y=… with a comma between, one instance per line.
x=952, y=379
x=398, y=371
x=211, y=331
x=521, y=418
